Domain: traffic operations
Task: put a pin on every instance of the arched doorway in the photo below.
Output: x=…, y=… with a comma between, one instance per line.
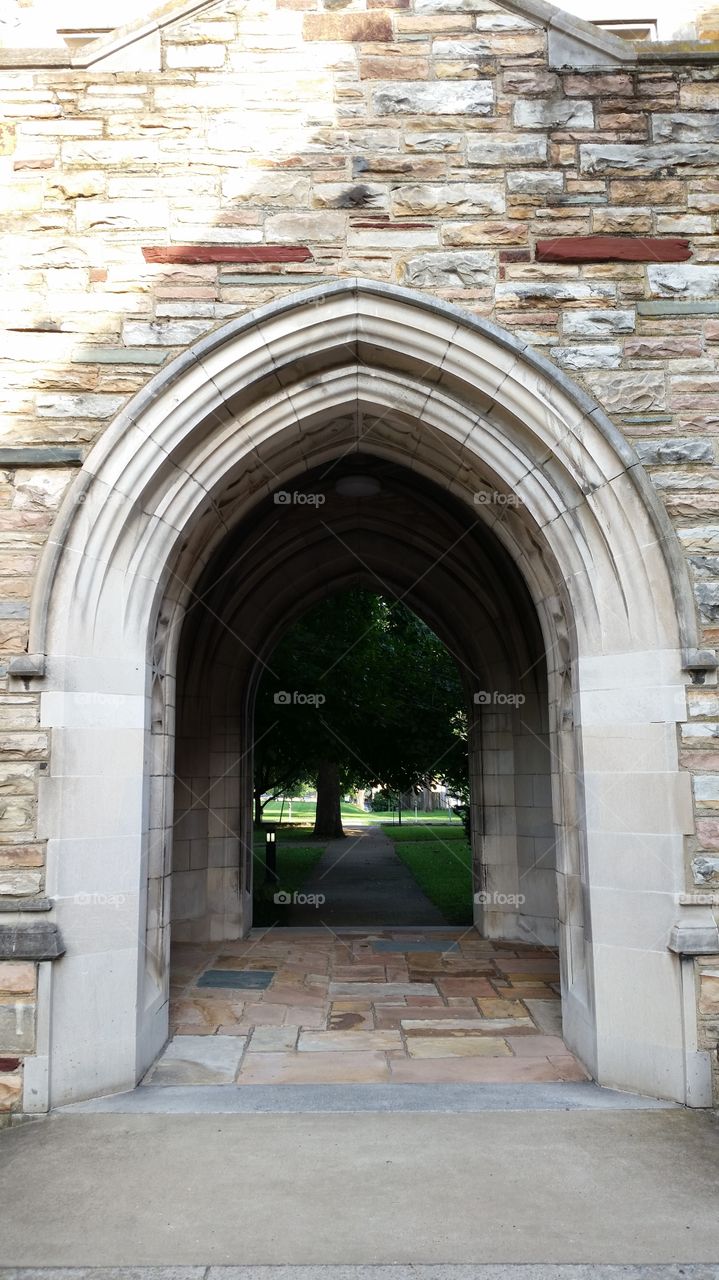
x=562, y=565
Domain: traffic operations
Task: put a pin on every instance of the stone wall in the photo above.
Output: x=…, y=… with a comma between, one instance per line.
x=270, y=148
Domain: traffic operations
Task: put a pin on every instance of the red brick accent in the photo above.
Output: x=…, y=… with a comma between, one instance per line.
x=9, y=1064
x=365, y=27
x=514, y=255
x=613, y=249
x=196, y=253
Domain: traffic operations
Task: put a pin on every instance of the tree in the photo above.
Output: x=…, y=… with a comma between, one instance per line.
x=359, y=692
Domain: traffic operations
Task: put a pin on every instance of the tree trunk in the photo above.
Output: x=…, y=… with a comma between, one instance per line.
x=328, y=815
x=258, y=808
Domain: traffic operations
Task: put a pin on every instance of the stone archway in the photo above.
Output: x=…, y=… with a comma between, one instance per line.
x=454, y=401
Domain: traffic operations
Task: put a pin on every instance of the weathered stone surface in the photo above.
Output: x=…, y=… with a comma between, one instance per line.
x=628, y=391
x=10, y=1090
x=21, y=855
x=682, y=126
x=709, y=992
x=519, y=292
x=17, y=978
x=199, y=253
x=705, y=871
x=535, y=182
x=512, y=149
x=178, y=333
x=30, y=942
x=17, y=1027
x=675, y=451
x=19, y=884
x=468, y=233
x=451, y=199
x=597, y=324
x=448, y=98
x=692, y=281
x=663, y=348
x=318, y=228
x=367, y=27
x=78, y=406
x=619, y=157
x=553, y=113
x=445, y=270
x=595, y=356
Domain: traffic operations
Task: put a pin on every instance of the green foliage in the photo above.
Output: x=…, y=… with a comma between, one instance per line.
x=295, y=863
x=391, y=709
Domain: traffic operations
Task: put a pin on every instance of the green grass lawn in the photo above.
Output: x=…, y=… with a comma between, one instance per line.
x=303, y=811
x=441, y=863
x=297, y=854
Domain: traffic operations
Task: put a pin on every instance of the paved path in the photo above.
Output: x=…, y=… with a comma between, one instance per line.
x=496, y=1187
x=425, y=1006
x=364, y=882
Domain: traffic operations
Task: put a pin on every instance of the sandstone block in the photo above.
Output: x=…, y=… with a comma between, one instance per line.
x=17, y=978
x=23, y=746
x=393, y=68
x=709, y=992
x=467, y=270
x=266, y=189
x=535, y=182
x=628, y=392
x=499, y=233
x=553, y=113
x=644, y=160
x=367, y=27
x=684, y=126
x=596, y=355
x=690, y=281
x=657, y=453
x=512, y=149
x=448, y=98
x=597, y=324
x=315, y=227
x=21, y=855
x=521, y=292
x=17, y=1027
x=60, y=405
x=10, y=1090
x=651, y=192
x=201, y=57
x=629, y=220
x=448, y=200
x=178, y=333
x=663, y=348
x=605, y=85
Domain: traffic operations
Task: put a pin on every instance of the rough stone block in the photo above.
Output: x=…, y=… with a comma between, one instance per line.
x=18, y=884
x=645, y=160
x=682, y=126
x=453, y=199
x=369, y=28
x=658, y=453
x=692, y=281
x=553, y=113
x=597, y=324
x=445, y=98
x=10, y=1090
x=512, y=149
x=17, y=1027
x=535, y=182
x=17, y=978
x=451, y=270
x=628, y=392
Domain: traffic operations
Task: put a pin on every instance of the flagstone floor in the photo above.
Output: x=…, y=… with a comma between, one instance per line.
x=310, y=1006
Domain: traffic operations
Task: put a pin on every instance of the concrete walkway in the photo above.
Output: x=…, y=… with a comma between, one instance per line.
x=633, y=1187
x=363, y=882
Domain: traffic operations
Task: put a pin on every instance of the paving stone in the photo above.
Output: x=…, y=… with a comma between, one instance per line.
x=198, y=1060
x=314, y=1068
x=246, y=980
x=459, y=1046
x=348, y=1041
